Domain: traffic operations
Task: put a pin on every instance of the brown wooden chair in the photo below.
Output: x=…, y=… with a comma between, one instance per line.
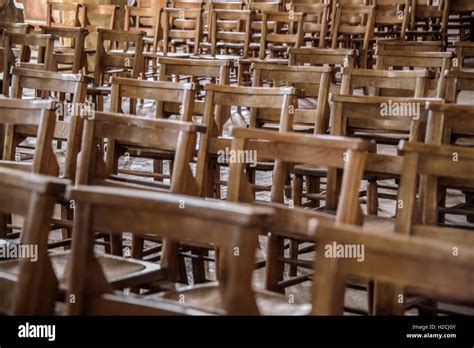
x=16, y=114
x=392, y=18
x=312, y=111
x=213, y=141
x=126, y=60
x=69, y=57
x=182, y=31
x=315, y=22
x=198, y=71
x=29, y=286
x=225, y=226
x=98, y=16
x=230, y=33
x=429, y=20
x=452, y=125
x=336, y=58
x=418, y=264
x=69, y=113
x=353, y=27
x=288, y=149
x=19, y=28
x=464, y=51
x=458, y=81
x=44, y=61
x=146, y=19
x=438, y=62
x=62, y=15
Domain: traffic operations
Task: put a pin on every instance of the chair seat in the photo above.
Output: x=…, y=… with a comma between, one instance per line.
x=120, y=272
x=208, y=297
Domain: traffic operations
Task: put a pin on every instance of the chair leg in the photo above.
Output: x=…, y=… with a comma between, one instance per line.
x=313, y=185
x=296, y=196
x=372, y=198
x=274, y=268
x=470, y=201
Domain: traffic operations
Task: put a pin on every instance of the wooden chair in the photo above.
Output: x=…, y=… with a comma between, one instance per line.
x=207, y=170
x=18, y=28
x=44, y=61
x=219, y=5
x=277, y=42
x=127, y=60
x=418, y=264
x=412, y=83
x=197, y=71
x=70, y=57
x=93, y=14
x=62, y=15
x=392, y=18
x=429, y=20
x=28, y=287
x=464, y=50
x=230, y=33
x=353, y=27
x=70, y=114
x=146, y=19
x=438, y=62
x=68, y=125
x=238, y=226
x=182, y=31
x=337, y=58
x=311, y=114
x=16, y=115
x=315, y=23
x=257, y=9
x=452, y=125
x=94, y=17
x=288, y=149
x=456, y=82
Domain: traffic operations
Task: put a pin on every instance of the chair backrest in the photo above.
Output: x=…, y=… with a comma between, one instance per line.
x=392, y=18
x=75, y=59
x=16, y=28
x=320, y=57
x=384, y=114
x=181, y=24
x=438, y=62
x=463, y=50
x=313, y=82
x=229, y=28
x=15, y=115
x=124, y=132
x=151, y=3
x=146, y=19
x=175, y=69
x=225, y=226
x=98, y=16
x=70, y=113
x=288, y=149
x=188, y=4
x=351, y=22
x=457, y=81
x=436, y=14
x=437, y=166
x=422, y=266
x=386, y=82
x=62, y=14
x=45, y=44
x=34, y=288
x=277, y=37
x=283, y=99
x=315, y=22
x=180, y=94
x=129, y=61
x=394, y=45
